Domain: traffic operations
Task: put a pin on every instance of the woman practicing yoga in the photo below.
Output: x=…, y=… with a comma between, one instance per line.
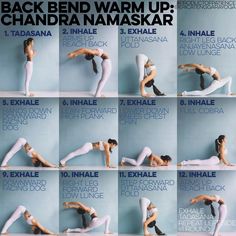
x=106, y=64
x=95, y=220
x=105, y=147
x=30, y=54
x=147, y=72
x=149, y=216
x=221, y=150
x=36, y=227
x=153, y=159
x=208, y=200
x=36, y=158
x=217, y=82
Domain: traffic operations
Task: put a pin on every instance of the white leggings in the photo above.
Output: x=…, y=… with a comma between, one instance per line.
x=106, y=72
x=145, y=153
x=16, y=215
x=216, y=84
x=28, y=76
x=80, y=151
x=222, y=216
x=144, y=203
x=96, y=222
x=16, y=147
x=214, y=160
x=141, y=60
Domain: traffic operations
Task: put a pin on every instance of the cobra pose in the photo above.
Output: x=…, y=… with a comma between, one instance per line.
x=218, y=81
x=103, y=146
x=30, y=54
x=209, y=200
x=154, y=160
x=149, y=216
x=36, y=158
x=95, y=220
x=147, y=73
x=220, y=146
x=36, y=227
x=106, y=64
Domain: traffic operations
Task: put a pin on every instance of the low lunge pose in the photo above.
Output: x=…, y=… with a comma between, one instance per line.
x=95, y=220
x=153, y=159
x=218, y=81
x=221, y=150
x=149, y=216
x=29, y=53
x=36, y=158
x=36, y=227
x=106, y=64
x=209, y=200
x=147, y=72
x=103, y=146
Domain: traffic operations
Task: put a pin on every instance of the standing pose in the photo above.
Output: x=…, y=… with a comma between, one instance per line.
x=36, y=227
x=153, y=159
x=29, y=53
x=217, y=82
x=106, y=64
x=147, y=72
x=36, y=158
x=214, y=160
x=95, y=220
x=87, y=147
x=149, y=215
x=208, y=200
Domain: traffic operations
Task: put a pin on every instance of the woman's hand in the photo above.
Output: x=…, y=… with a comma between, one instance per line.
x=71, y=55
x=193, y=201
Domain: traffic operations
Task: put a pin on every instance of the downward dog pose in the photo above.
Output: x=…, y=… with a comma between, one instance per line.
x=208, y=200
x=149, y=216
x=217, y=82
x=106, y=64
x=36, y=227
x=214, y=160
x=36, y=158
x=105, y=147
x=30, y=54
x=95, y=220
x=153, y=159
x=147, y=73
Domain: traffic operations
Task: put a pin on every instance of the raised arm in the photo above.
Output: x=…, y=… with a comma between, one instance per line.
x=200, y=198
x=193, y=67
x=76, y=205
x=82, y=51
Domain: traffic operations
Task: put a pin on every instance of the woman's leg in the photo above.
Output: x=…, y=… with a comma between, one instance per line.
x=16, y=215
x=140, y=61
x=145, y=152
x=222, y=217
x=16, y=147
x=214, y=160
x=144, y=203
x=81, y=151
x=28, y=76
x=227, y=82
x=106, y=72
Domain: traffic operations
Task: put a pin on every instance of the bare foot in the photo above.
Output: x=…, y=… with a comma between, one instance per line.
x=122, y=163
x=62, y=164
x=179, y=164
x=179, y=94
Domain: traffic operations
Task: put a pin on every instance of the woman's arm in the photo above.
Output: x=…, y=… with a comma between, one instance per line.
x=145, y=80
x=222, y=155
x=156, y=161
x=82, y=51
x=107, y=155
x=45, y=230
x=202, y=197
x=40, y=158
x=150, y=219
x=76, y=205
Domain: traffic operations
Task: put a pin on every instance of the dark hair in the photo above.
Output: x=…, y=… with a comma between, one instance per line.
x=82, y=212
x=112, y=141
x=166, y=158
x=38, y=163
x=155, y=89
x=37, y=230
x=209, y=203
x=27, y=42
x=219, y=141
x=202, y=81
x=157, y=230
x=90, y=57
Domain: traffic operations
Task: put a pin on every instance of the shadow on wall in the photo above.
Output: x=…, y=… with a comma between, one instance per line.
x=130, y=83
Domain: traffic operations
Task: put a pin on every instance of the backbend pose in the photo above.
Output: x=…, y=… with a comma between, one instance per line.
x=36, y=158
x=106, y=64
x=217, y=82
x=149, y=216
x=147, y=73
x=208, y=200
x=221, y=150
x=87, y=147
x=153, y=159
x=29, y=53
x=95, y=220
x=36, y=227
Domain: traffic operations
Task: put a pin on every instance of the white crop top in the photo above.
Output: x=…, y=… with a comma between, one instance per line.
x=29, y=220
x=100, y=52
x=217, y=198
x=152, y=211
x=92, y=211
x=213, y=71
x=29, y=153
x=101, y=146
